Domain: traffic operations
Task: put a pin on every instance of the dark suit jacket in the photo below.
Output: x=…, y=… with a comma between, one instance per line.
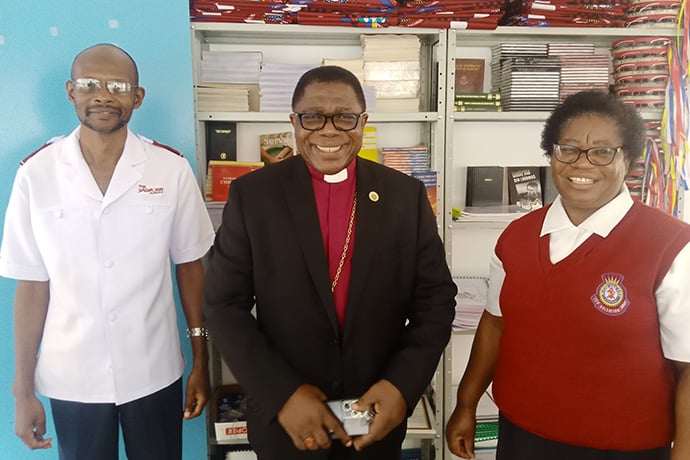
x=269, y=251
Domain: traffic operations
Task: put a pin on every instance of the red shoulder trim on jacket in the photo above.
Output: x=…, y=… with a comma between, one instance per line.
x=167, y=147
x=28, y=157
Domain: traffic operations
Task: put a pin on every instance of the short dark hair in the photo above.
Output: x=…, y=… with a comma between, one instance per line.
x=629, y=122
x=328, y=74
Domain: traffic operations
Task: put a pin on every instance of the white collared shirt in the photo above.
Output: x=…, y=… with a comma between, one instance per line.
x=672, y=296
x=111, y=332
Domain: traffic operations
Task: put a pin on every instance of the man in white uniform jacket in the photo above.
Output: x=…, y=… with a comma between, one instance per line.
x=93, y=222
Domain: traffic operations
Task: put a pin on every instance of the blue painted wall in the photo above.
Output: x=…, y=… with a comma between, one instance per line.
x=38, y=40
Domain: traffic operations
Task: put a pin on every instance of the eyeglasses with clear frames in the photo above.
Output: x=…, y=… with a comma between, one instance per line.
x=93, y=85
x=598, y=156
x=314, y=121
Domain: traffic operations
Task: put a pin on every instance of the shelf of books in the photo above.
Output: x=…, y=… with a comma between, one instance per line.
x=462, y=112
x=244, y=76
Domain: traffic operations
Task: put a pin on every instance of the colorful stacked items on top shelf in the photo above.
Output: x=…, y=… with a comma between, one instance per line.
x=454, y=14
x=652, y=13
x=566, y=13
x=271, y=12
x=460, y=14
x=358, y=13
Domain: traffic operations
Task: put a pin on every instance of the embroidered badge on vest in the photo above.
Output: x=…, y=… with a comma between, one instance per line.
x=611, y=297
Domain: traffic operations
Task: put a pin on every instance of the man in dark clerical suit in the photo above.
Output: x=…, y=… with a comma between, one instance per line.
x=342, y=259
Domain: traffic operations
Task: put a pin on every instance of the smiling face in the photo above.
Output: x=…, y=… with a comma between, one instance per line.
x=584, y=188
x=100, y=110
x=328, y=150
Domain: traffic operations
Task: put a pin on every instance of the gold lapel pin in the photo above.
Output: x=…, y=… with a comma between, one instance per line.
x=373, y=196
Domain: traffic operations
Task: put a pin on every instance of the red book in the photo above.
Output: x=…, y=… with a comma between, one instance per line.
x=222, y=173
x=469, y=76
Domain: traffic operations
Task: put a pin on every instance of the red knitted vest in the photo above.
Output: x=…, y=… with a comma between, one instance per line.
x=580, y=359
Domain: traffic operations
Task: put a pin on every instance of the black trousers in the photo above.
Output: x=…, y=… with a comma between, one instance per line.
x=151, y=427
x=514, y=443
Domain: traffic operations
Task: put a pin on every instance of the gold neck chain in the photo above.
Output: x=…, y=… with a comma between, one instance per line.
x=345, y=247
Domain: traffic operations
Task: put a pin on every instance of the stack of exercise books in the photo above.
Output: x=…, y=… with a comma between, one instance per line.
x=230, y=66
x=407, y=159
x=277, y=83
x=530, y=83
x=392, y=67
x=581, y=68
x=526, y=78
x=416, y=162
x=470, y=301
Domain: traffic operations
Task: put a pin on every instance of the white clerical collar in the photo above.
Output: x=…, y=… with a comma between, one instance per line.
x=340, y=176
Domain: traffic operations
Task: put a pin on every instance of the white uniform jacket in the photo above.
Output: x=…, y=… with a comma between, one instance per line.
x=111, y=330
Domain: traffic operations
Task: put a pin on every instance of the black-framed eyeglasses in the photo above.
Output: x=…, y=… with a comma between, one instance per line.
x=598, y=156
x=314, y=121
x=93, y=85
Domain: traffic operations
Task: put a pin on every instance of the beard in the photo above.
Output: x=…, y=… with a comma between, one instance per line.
x=104, y=128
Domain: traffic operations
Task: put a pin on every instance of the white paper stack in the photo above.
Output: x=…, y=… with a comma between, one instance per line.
x=223, y=97
x=230, y=66
x=391, y=66
x=390, y=47
x=277, y=83
x=356, y=66
x=240, y=455
x=470, y=301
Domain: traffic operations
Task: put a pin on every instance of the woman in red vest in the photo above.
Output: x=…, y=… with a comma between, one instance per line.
x=585, y=332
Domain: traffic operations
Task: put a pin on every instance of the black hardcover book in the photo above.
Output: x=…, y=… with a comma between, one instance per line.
x=485, y=186
x=221, y=141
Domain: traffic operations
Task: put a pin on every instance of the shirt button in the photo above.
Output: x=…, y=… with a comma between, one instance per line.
x=106, y=211
x=108, y=264
x=148, y=210
x=112, y=317
x=58, y=213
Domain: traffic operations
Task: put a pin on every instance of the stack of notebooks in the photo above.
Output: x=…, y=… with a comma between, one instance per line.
x=356, y=66
x=229, y=81
x=530, y=83
x=392, y=67
x=581, y=68
x=407, y=159
x=470, y=301
x=276, y=85
x=526, y=78
x=230, y=66
x=416, y=162
x=226, y=97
